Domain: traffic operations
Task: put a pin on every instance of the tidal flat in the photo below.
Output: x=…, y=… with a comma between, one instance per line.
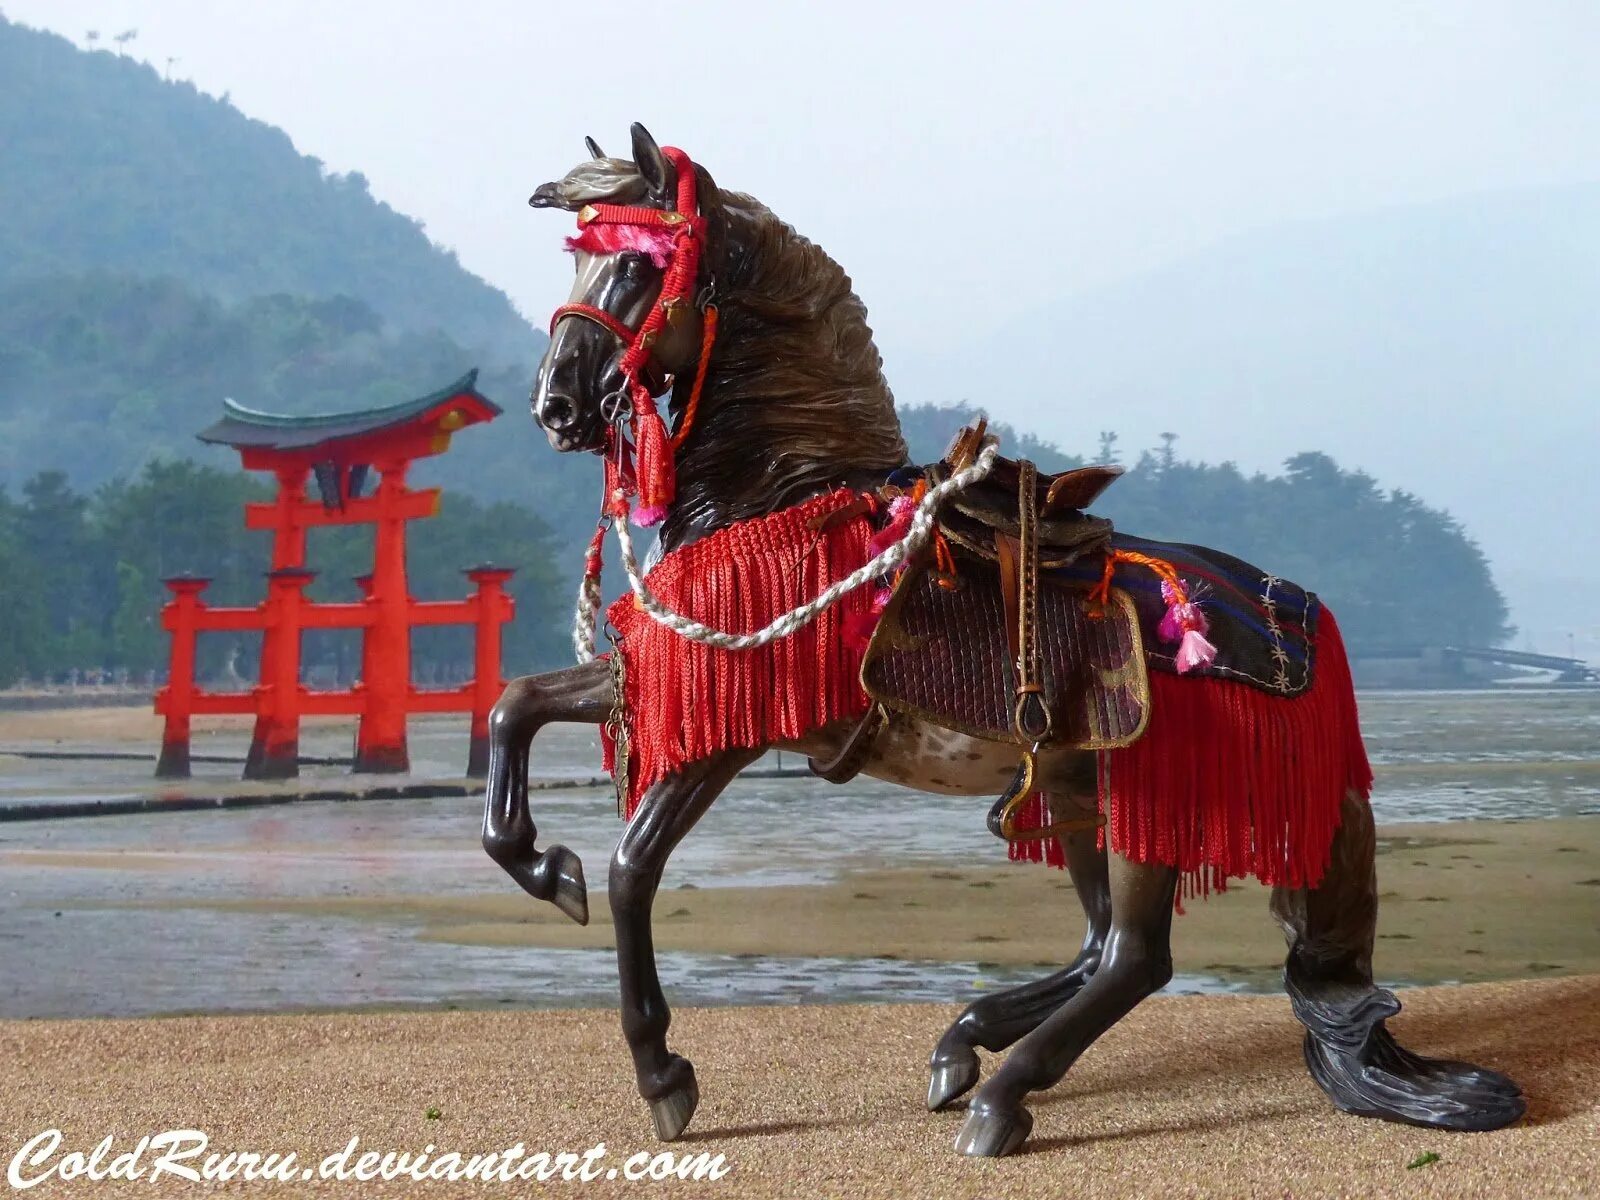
x=792, y=890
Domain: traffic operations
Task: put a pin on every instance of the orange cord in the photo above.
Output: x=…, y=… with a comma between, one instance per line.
x=708, y=338
x=1101, y=593
x=944, y=561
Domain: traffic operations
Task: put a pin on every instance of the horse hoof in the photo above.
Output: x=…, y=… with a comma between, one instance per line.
x=569, y=892
x=951, y=1079
x=1395, y=1085
x=991, y=1133
x=671, y=1113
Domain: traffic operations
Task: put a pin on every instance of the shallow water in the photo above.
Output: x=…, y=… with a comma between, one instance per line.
x=243, y=962
x=71, y=945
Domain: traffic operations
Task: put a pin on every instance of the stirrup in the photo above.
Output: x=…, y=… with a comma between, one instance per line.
x=1002, y=820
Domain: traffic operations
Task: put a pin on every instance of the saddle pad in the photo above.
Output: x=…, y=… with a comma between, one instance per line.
x=941, y=655
x=1264, y=627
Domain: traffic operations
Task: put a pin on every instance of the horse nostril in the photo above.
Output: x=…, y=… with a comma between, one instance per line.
x=556, y=413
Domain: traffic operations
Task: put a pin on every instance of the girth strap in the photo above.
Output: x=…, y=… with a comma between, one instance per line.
x=846, y=765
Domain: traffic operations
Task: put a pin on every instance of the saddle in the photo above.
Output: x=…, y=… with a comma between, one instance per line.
x=1001, y=648
x=972, y=518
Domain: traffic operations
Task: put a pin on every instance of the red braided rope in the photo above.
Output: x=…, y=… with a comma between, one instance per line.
x=708, y=339
x=652, y=477
x=599, y=316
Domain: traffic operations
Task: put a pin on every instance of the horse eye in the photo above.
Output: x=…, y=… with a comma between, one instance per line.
x=631, y=265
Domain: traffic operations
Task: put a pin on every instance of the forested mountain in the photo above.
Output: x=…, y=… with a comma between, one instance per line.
x=160, y=251
x=122, y=371
x=1398, y=572
x=100, y=373
x=108, y=167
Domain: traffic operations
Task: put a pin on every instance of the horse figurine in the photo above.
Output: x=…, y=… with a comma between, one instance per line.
x=1203, y=722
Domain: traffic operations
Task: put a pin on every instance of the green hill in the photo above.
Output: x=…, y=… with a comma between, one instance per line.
x=108, y=167
x=159, y=251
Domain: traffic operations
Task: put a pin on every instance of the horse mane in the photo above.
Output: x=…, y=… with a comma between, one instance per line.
x=795, y=402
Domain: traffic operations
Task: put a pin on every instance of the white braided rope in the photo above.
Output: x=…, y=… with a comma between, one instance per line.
x=586, y=618
x=916, y=537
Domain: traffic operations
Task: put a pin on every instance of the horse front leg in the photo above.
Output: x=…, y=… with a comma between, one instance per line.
x=580, y=694
x=997, y=1020
x=666, y=812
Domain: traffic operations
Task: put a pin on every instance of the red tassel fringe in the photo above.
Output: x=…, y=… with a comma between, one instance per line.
x=653, y=460
x=1229, y=781
x=685, y=701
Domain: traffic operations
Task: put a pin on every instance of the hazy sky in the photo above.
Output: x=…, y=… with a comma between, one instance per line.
x=968, y=164
x=935, y=150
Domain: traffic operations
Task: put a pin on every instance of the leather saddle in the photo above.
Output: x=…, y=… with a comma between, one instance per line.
x=999, y=650
x=973, y=517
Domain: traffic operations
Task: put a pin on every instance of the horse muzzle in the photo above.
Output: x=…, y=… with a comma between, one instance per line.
x=567, y=426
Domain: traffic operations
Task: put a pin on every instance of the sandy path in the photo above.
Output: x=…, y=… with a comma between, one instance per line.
x=1191, y=1096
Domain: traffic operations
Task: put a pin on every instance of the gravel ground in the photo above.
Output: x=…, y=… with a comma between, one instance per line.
x=1190, y=1096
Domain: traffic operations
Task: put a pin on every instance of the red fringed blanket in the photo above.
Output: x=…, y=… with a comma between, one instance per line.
x=686, y=701
x=1226, y=781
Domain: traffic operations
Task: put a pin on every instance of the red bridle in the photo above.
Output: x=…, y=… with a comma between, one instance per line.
x=680, y=233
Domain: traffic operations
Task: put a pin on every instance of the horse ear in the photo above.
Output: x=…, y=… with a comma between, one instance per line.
x=593, y=148
x=652, y=165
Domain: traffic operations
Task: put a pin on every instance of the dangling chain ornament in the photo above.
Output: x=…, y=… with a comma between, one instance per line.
x=650, y=473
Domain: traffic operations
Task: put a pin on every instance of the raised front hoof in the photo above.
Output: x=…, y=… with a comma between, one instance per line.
x=672, y=1112
x=570, y=893
x=1395, y=1085
x=555, y=874
x=993, y=1133
x=952, y=1074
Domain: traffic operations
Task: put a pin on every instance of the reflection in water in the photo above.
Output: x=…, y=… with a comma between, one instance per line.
x=66, y=948
x=206, y=961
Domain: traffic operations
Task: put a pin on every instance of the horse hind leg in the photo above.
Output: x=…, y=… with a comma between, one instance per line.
x=997, y=1020
x=1137, y=962
x=1350, y=1052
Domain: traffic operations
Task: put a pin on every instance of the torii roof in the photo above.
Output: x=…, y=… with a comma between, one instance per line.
x=325, y=435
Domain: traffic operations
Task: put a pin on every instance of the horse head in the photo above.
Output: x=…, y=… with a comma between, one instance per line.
x=586, y=381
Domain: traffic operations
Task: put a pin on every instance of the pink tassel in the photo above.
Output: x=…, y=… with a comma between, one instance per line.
x=1184, y=623
x=1194, y=651
x=1169, y=630
x=857, y=627
x=900, y=510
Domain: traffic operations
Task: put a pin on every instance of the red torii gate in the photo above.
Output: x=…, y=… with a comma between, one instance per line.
x=339, y=450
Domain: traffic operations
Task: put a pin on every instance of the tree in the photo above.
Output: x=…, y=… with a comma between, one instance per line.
x=54, y=535
x=1107, y=453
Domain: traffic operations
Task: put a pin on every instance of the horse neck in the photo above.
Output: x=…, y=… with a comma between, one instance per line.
x=795, y=403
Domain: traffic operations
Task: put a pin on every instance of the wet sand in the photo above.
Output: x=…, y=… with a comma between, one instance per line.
x=135, y=723
x=1190, y=1096
x=797, y=891
x=1460, y=901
